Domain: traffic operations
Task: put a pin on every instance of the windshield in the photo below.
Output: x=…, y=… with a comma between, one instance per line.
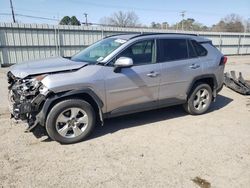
x=98, y=51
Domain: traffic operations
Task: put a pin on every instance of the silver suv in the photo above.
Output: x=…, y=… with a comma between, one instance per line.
x=118, y=75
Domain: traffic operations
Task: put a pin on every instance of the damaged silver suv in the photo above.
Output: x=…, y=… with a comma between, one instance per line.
x=118, y=75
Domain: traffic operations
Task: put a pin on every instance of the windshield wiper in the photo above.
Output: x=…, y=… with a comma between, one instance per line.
x=79, y=60
x=100, y=63
x=67, y=57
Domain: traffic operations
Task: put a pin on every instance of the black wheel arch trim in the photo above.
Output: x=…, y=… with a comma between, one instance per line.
x=42, y=115
x=215, y=83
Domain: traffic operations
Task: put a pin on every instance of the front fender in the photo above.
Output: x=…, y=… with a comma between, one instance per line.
x=52, y=99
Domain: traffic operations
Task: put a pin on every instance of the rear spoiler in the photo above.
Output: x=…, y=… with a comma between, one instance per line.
x=206, y=41
x=202, y=40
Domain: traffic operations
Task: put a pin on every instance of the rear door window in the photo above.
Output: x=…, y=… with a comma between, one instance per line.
x=171, y=49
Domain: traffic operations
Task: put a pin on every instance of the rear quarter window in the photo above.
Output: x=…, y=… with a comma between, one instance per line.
x=191, y=50
x=200, y=50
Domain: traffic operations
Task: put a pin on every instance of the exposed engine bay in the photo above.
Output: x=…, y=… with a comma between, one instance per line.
x=26, y=96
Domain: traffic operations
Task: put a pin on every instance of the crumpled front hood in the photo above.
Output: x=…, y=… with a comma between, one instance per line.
x=49, y=65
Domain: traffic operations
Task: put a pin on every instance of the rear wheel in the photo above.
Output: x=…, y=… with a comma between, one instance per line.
x=199, y=100
x=70, y=121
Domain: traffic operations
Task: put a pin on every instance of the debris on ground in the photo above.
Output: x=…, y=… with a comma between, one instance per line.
x=239, y=84
x=201, y=182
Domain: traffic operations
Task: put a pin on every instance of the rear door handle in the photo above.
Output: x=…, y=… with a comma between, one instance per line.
x=153, y=74
x=194, y=66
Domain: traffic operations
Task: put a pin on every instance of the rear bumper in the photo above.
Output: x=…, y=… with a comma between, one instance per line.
x=220, y=88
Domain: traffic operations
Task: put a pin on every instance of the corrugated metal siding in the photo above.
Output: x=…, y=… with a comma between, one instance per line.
x=22, y=42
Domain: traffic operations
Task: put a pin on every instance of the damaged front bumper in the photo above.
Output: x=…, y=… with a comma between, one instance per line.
x=26, y=97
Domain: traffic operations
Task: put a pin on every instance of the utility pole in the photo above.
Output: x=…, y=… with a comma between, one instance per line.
x=12, y=11
x=182, y=15
x=86, y=18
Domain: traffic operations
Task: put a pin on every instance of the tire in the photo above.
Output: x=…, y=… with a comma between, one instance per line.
x=70, y=121
x=196, y=105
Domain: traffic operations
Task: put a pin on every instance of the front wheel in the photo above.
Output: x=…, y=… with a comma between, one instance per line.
x=199, y=100
x=70, y=121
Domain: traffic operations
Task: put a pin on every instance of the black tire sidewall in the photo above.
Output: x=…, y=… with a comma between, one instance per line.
x=191, y=108
x=60, y=107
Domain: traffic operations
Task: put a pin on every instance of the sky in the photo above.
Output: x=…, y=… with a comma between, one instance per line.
x=207, y=12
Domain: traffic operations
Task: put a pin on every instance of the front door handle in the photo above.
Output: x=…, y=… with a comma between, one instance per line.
x=194, y=66
x=153, y=74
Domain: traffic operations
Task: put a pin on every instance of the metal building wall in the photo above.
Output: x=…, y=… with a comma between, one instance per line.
x=22, y=42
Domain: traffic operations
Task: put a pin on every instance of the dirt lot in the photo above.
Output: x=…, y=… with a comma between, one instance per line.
x=160, y=148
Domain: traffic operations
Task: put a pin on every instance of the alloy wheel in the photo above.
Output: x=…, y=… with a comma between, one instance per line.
x=72, y=122
x=201, y=99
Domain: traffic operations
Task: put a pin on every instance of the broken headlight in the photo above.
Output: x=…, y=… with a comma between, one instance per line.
x=30, y=86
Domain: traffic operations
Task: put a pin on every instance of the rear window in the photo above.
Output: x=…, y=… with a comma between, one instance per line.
x=200, y=50
x=171, y=49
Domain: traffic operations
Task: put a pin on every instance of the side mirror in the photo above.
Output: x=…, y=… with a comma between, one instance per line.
x=122, y=62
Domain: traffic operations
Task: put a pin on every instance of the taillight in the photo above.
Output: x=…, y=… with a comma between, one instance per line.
x=223, y=60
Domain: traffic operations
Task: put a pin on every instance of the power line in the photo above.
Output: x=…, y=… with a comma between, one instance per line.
x=38, y=17
x=86, y=2
x=102, y=5
x=105, y=5
x=44, y=18
x=29, y=16
x=121, y=7
x=35, y=11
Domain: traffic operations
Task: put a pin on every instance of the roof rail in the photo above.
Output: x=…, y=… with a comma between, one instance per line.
x=121, y=34
x=148, y=34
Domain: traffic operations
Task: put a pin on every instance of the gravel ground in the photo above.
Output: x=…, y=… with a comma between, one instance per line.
x=160, y=148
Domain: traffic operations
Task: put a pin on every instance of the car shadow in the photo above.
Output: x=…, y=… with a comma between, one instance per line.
x=221, y=102
x=143, y=118
x=113, y=125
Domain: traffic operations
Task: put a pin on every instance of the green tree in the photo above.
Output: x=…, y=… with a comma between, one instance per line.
x=156, y=25
x=190, y=24
x=165, y=25
x=74, y=21
x=153, y=25
x=65, y=20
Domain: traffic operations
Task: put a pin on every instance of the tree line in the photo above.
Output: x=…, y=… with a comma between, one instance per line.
x=230, y=23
